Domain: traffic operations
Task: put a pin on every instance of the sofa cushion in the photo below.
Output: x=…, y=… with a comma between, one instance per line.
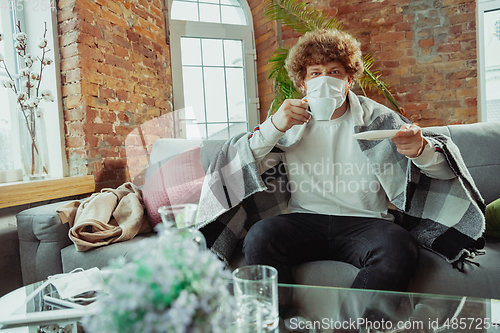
x=493, y=219
x=483, y=164
x=41, y=236
x=436, y=276
x=164, y=150
x=177, y=181
x=99, y=256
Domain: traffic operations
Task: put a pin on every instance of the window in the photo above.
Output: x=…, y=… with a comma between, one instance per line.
x=9, y=160
x=32, y=22
x=489, y=62
x=213, y=68
x=214, y=11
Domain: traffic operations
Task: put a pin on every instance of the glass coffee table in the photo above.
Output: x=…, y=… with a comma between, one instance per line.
x=312, y=309
x=326, y=309
x=43, y=312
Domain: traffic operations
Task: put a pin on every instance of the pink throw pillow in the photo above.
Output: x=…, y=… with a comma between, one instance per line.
x=177, y=181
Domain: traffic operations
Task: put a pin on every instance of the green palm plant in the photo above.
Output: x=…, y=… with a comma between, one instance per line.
x=302, y=18
x=370, y=79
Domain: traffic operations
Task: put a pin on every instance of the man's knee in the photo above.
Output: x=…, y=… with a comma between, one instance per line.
x=258, y=238
x=263, y=240
x=408, y=246
x=400, y=248
x=260, y=233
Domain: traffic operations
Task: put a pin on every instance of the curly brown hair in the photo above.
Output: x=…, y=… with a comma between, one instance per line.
x=320, y=47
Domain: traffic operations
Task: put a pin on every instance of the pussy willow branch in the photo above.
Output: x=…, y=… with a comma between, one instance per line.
x=41, y=62
x=28, y=85
x=10, y=76
x=30, y=123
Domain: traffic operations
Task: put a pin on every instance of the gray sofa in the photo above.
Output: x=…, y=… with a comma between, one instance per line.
x=46, y=249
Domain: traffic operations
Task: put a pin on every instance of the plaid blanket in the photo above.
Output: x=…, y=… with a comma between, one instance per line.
x=445, y=216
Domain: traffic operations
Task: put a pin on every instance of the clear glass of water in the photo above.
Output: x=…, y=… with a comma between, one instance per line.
x=256, y=292
x=181, y=219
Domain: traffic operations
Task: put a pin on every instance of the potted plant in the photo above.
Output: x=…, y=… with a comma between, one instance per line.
x=170, y=284
x=26, y=87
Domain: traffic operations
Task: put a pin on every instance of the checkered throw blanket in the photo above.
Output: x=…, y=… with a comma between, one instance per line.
x=445, y=216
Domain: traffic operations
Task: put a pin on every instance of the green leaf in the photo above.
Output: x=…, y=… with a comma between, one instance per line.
x=368, y=61
x=370, y=80
x=298, y=16
x=277, y=62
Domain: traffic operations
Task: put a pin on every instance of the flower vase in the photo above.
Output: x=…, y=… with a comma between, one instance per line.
x=33, y=140
x=179, y=221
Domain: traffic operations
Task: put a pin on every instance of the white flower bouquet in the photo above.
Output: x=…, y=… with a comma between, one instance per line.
x=171, y=285
x=26, y=86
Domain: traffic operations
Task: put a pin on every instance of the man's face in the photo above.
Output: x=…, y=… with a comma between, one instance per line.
x=333, y=69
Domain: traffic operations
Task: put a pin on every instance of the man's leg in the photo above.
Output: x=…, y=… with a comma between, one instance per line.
x=287, y=240
x=386, y=254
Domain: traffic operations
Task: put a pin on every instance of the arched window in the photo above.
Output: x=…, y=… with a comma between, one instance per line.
x=213, y=11
x=213, y=68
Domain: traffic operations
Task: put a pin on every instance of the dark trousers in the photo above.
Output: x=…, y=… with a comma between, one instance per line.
x=386, y=254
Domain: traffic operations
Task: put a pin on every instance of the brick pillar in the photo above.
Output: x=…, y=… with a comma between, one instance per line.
x=266, y=42
x=117, y=86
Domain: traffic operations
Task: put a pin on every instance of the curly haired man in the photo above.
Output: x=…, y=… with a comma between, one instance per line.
x=338, y=205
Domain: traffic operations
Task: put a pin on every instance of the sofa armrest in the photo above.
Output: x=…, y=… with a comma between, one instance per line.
x=41, y=238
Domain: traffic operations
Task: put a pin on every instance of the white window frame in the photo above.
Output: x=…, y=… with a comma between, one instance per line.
x=32, y=23
x=245, y=33
x=483, y=6
x=10, y=59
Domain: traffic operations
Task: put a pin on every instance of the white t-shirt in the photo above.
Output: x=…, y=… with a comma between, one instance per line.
x=329, y=174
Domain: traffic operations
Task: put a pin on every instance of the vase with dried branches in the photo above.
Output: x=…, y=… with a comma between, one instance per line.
x=26, y=87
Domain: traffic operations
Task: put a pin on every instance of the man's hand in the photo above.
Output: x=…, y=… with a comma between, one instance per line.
x=291, y=112
x=409, y=140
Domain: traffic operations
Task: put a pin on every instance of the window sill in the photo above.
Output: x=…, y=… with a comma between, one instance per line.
x=21, y=193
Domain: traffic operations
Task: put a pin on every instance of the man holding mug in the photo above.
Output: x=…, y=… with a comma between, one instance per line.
x=339, y=190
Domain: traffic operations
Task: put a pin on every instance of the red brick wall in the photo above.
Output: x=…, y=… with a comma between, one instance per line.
x=425, y=50
x=117, y=85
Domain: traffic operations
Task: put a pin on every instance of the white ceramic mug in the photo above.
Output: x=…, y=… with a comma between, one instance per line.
x=322, y=108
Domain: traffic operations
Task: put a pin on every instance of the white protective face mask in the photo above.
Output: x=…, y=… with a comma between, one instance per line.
x=325, y=94
x=77, y=282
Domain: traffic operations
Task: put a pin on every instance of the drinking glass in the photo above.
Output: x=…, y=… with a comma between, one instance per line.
x=181, y=218
x=256, y=292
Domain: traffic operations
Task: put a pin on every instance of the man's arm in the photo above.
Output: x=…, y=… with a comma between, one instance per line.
x=291, y=112
x=422, y=152
x=433, y=163
x=263, y=139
